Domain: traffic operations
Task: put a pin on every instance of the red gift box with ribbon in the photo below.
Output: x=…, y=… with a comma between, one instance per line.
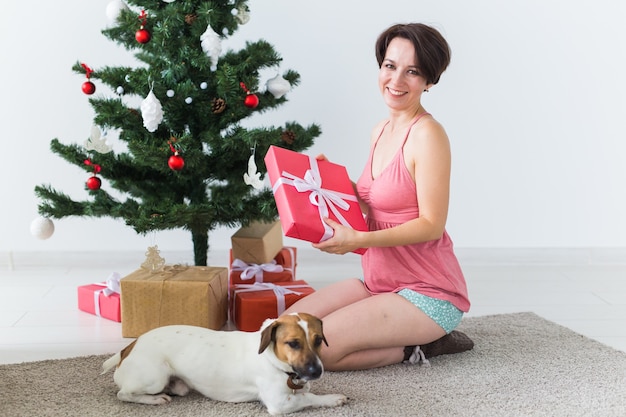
x=281, y=269
x=252, y=304
x=307, y=190
x=102, y=299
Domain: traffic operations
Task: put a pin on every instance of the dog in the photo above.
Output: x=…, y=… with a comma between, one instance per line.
x=273, y=365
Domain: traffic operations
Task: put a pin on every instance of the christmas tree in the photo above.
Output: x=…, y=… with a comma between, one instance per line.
x=187, y=151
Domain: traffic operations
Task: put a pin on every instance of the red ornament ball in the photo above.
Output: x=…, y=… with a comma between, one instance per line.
x=251, y=101
x=94, y=183
x=176, y=162
x=142, y=36
x=88, y=87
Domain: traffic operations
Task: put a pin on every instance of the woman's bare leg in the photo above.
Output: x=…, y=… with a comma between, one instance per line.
x=363, y=330
x=330, y=298
x=374, y=331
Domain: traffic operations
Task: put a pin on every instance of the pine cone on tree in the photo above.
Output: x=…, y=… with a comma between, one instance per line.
x=218, y=105
x=288, y=137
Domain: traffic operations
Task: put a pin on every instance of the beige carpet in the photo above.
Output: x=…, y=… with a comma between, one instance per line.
x=522, y=365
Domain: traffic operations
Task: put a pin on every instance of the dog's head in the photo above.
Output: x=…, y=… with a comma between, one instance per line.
x=296, y=340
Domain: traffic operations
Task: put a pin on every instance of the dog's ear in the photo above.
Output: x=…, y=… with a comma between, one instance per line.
x=323, y=336
x=268, y=335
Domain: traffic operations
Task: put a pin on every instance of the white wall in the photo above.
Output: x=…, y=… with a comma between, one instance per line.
x=534, y=104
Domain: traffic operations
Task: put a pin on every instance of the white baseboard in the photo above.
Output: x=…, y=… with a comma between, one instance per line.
x=467, y=256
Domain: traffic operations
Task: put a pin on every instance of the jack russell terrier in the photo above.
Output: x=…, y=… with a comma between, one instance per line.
x=273, y=365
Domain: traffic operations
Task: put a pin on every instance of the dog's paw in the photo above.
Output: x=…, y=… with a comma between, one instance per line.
x=161, y=399
x=334, y=400
x=158, y=399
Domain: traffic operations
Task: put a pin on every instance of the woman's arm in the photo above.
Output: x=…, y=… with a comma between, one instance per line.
x=427, y=155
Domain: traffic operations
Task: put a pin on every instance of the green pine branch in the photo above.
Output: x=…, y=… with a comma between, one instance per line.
x=203, y=110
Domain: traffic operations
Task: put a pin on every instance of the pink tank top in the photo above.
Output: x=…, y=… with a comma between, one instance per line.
x=430, y=268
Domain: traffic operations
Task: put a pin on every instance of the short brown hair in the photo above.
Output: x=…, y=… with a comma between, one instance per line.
x=431, y=49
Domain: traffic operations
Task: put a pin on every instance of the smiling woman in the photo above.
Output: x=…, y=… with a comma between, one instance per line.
x=413, y=294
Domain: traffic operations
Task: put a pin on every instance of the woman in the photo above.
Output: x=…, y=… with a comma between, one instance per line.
x=413, y=294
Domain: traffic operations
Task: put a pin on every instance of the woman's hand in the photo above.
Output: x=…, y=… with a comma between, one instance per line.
x=344, y=239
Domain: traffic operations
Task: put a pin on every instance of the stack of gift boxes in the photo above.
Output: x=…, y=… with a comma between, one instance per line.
x=260, y=281
x=262, y=277
x=259, y=284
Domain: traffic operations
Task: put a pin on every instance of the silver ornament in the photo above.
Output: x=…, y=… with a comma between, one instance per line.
x=278, y=86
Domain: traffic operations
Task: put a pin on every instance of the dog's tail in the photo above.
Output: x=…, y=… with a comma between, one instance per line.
x=111, y=363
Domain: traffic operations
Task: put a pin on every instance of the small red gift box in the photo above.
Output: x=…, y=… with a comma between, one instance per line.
x=102, y=300
x=307, y=190
x=281, y=269
x=252, y=304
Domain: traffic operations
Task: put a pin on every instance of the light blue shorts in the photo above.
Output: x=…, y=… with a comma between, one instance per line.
x=444, y=313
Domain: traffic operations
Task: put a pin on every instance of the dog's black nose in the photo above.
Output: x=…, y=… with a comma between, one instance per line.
x=312, y=370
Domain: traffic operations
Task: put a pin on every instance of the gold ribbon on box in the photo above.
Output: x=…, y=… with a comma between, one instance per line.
x=323, y=198
x=111, y=286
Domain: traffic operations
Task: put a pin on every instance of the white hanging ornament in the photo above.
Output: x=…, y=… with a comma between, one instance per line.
x=114, y=9
x=241, y=14
x=278, y=86
x=42, y=228
x=169, y=1
x=211, y=45
x=97, y=142
x=252, y=177
x=152, y=112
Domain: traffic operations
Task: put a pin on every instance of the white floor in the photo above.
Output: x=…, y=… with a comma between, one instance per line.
x=582, y=289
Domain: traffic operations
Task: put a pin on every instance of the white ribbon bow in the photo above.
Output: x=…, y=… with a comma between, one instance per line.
x=279, y=291
x=323, y=198
x=111, y=286
x=249, y=271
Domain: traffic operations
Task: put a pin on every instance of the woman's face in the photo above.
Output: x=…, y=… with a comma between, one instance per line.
x=399, y=79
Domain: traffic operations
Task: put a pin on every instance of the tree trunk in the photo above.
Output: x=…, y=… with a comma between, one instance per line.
x=200, y=240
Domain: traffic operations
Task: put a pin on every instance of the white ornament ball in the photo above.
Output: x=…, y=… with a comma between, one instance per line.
x=114, y=9
x=204, y=85
x=170, y=93
x=188, y=100
x=169, y=1
x=42, y=228
x=278, y=86
x=120, y=90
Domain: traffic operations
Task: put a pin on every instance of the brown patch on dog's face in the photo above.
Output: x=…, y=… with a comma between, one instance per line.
x=297, y=341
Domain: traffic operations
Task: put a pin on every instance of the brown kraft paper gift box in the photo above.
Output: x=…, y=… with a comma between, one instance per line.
x=194, y=295
x=258, y=243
